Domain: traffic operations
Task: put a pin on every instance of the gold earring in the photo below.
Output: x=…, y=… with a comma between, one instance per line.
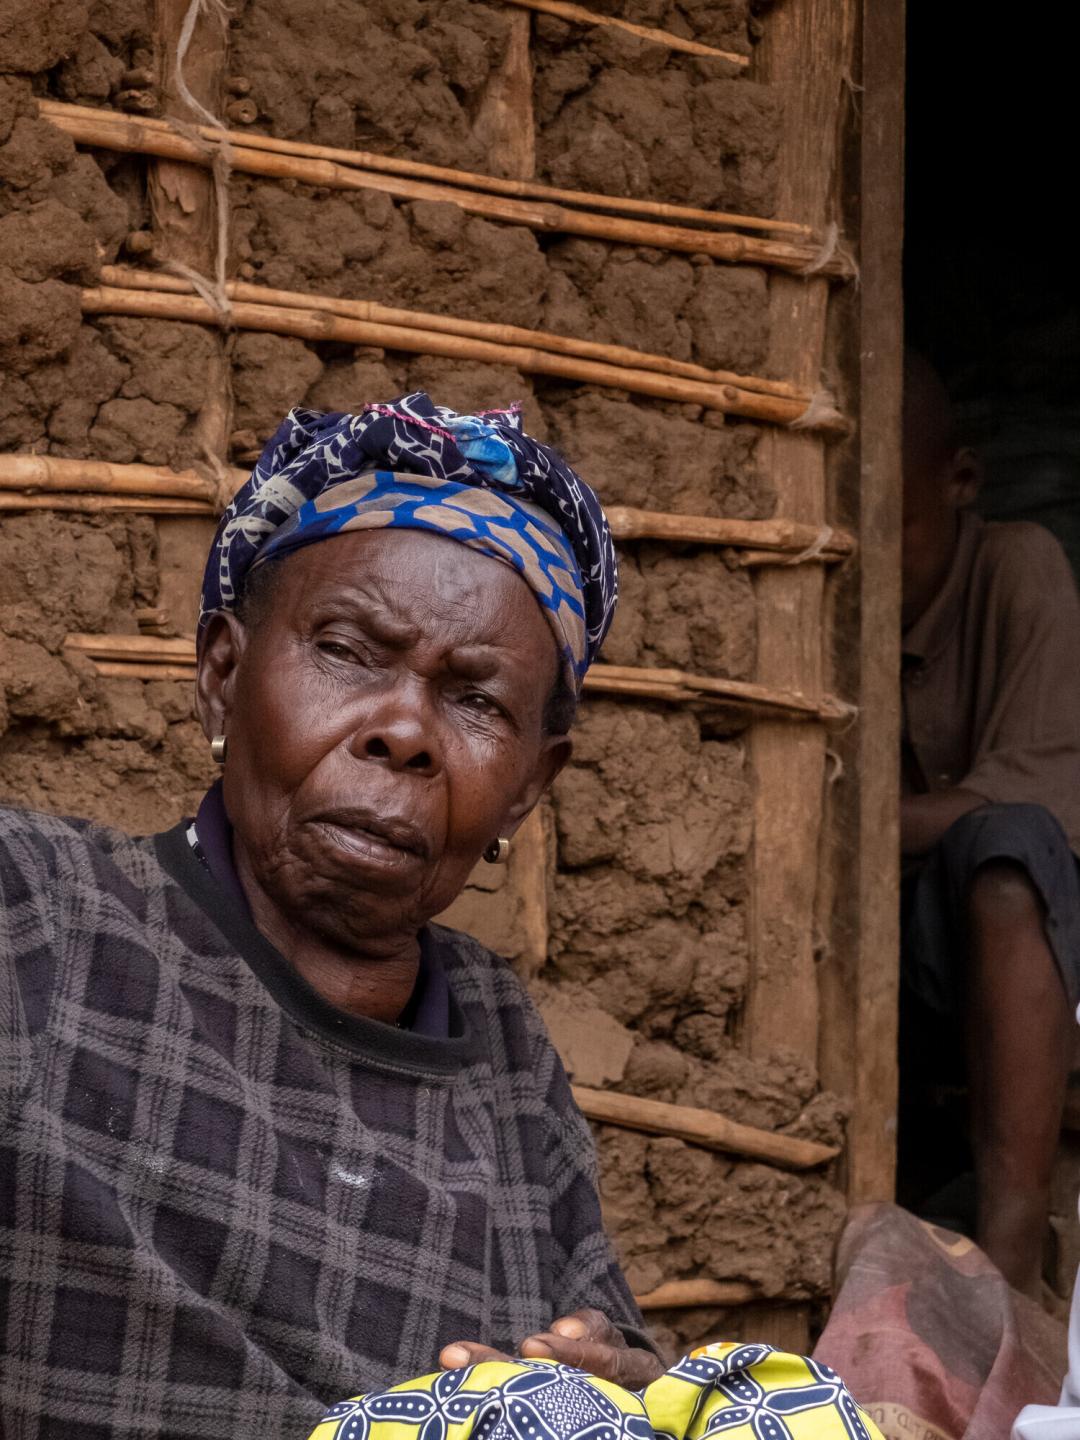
x=498, y=852
x=218, y=746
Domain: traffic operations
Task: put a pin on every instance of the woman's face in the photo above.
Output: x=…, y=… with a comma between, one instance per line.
x=384, y=716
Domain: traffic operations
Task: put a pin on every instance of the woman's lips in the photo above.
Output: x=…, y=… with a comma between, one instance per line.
x=372, y=841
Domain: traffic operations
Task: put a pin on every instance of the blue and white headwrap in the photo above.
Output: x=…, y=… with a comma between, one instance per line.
x=412, y=464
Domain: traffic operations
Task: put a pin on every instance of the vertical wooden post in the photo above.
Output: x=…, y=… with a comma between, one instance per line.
x=184, y=210
x=535, y=847
x=805, y=52
x=182, y=196
x=505, y=123
x=860, y=975
x=506, y=126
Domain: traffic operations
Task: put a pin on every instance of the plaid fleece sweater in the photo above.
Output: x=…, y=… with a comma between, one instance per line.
x=223, y=1202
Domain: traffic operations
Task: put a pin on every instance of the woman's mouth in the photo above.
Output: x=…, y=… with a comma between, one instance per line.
x=367, y=839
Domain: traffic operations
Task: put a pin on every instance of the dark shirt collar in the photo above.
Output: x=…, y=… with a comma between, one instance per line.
x=213, y=834
x=927, y=638
x=427, y=1011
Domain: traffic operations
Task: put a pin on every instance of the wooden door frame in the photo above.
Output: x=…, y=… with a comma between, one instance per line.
x=859, y=971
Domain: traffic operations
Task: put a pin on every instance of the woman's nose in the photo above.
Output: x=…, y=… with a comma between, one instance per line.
x=401, y=734
x=400, y=752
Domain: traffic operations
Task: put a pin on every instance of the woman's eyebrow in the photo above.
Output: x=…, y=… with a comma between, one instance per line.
x=377, y=619
x=475, y=661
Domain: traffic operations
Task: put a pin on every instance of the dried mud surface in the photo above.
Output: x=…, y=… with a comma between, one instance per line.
x=396, y=76
x=622, y=116
x=430, y=255
x=126, y=753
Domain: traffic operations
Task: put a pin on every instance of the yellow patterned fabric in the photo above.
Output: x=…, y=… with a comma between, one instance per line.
x=742, y=1392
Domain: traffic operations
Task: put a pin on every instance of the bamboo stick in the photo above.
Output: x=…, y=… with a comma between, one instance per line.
x=126, y=670
x=85, y=504
x=126, y=277
x=54, y=472
x=751, y=559
x=580, y=16
x=468, y=179
x=647, y=683
x=701, y=1127
x=319, y=326
x=639, y=689
x=100, y=485
x=179, y=650
x=126, y=133
x=787, y=536
x=679, y=686
x=692, y=1294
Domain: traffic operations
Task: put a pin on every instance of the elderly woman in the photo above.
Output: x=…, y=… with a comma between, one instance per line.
x=267, y=1135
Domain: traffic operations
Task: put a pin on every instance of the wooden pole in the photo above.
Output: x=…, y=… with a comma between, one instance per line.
x=145, y=648
x=125, y=277
x=680, y=686
x=184, y=200
x=671, y=686
x=521, y=188
x=109, y=130
x=89, y=504
x=53, y=472
x=787, y=537
x=317, y=325
x=505, y=124
x=694, y=1294
x=860, y=972
x=701, y=1127
x=578, y=15
x=133, y=670
x=26, y=475
x=806, y=51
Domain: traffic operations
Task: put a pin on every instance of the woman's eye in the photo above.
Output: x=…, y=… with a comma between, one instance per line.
x=337, y=650
x=476, y=700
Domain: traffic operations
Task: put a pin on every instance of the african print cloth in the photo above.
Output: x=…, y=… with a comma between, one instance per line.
x=414, y=464
x=743, y=1392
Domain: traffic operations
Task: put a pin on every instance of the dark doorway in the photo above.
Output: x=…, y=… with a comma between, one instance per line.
x=992, y=298
x=992, y=248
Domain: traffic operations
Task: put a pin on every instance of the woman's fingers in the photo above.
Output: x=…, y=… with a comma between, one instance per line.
x=587, y=1340
x=588, y=1325
x=618, y=1362
x=467, y=1352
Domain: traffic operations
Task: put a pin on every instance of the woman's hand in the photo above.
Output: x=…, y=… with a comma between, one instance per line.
x=587, y=1340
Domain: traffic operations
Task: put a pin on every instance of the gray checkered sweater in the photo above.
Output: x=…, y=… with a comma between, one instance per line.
x=223, y=1203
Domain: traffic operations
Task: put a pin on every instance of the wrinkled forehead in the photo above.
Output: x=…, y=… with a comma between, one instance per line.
x=411, y=588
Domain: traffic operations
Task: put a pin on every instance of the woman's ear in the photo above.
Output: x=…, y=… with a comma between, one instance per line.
x=554, y=753
x=221, y=647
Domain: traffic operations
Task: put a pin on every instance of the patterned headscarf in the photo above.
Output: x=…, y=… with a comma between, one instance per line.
x=412, y=464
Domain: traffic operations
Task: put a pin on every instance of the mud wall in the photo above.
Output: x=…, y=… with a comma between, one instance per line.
x=649, y=891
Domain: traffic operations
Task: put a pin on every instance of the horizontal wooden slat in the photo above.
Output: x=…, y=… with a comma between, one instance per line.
x=38, y=482
x=671, y=686
x=111, y=130
x=701, y=1127
x=526, y=189
x=689, y=1294
x=128, y=277
x=321, y=326
x=578, y=15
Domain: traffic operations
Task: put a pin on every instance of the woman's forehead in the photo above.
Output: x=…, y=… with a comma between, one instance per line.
x=409, y=580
